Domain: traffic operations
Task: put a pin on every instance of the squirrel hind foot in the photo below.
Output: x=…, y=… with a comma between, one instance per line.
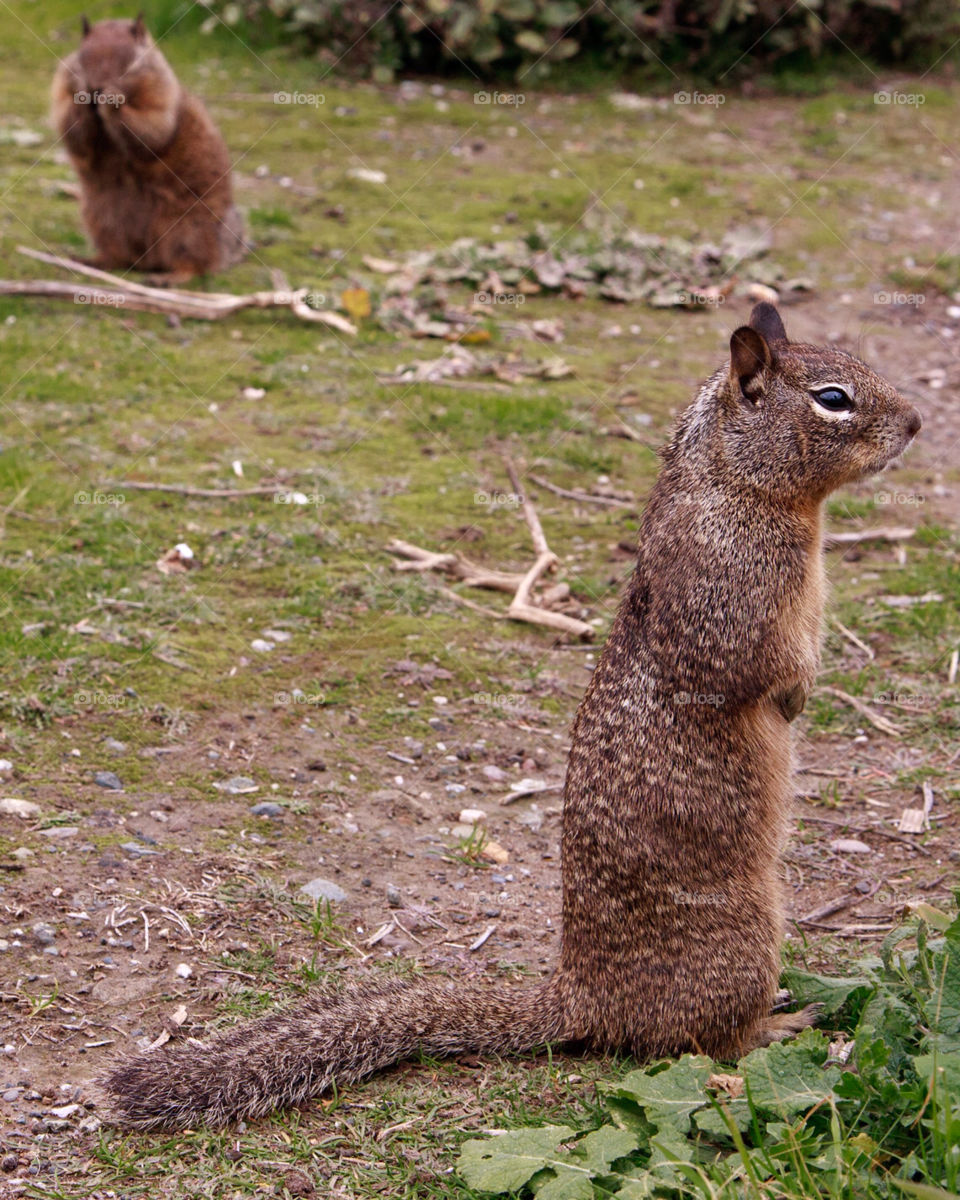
x=778, y=1027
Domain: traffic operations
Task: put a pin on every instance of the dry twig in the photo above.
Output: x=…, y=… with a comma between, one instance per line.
x=877, y=721
x=128, y=294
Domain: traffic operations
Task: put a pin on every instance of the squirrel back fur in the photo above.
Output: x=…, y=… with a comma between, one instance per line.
x=678, y=783
x=154, y=172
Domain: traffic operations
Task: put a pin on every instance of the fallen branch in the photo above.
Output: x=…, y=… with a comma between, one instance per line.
x=854, y=640
x=865, y=711
x=522, y=607
x=126, y=293
x=898, y=533
x=452, y=564
x=130, y=485
x=583, y=497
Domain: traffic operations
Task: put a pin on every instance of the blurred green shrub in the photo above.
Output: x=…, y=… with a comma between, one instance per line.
x=529, y=37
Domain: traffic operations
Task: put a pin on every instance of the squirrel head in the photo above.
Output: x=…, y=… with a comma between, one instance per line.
x=111, y=51
x=798, y=421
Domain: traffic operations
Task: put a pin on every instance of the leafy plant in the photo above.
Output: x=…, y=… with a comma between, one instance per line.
x=873, y=1113
x=530, y=37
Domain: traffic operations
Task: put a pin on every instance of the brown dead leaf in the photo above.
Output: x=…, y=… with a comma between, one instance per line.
x=177, y=561
x=731, y=1084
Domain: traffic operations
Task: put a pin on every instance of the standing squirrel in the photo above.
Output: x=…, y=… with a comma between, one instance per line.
x=154, y=171
x=678, y=783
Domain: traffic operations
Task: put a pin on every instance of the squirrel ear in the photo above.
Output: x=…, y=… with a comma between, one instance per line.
x=750, y=356
x=84, y=25
x=138, y=29
x=766, y=321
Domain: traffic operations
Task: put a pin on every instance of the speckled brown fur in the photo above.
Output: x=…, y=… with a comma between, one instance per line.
x=154, y=171
x=678, y=781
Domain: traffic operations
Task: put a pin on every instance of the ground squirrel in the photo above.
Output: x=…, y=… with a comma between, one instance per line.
x=678, y=783
x=154, y=171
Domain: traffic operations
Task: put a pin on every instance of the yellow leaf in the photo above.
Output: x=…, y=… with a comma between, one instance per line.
x=356, y=301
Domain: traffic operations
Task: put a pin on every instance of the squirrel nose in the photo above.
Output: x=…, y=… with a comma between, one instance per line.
x=914, y=423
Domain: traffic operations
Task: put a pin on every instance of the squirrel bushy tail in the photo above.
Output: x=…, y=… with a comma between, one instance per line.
x=290, y=1056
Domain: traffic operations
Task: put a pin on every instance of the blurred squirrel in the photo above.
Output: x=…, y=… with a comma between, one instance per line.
x=154, y=171
x=679, y=780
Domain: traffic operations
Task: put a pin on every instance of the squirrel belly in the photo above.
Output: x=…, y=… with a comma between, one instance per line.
x=679, y=776
x=290, y=1056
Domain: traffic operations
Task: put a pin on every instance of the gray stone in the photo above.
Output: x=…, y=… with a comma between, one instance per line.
x=107, y=779
x=323, y=889
x=114, y=746
x=10, y=806
x=137, y=850
x=494, y=773
x=59, y=833
x=267, y=808
x=394, y=899
x=237, y=785
x=43, y=933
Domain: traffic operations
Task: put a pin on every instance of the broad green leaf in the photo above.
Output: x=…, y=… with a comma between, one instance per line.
x=604, y=1146
x=628, y=1115
x=924, y=1191
x=508, y=1161
x=527, y=39
x=942, y=1010
x=569, y=1183
x=714, y=1123
x=669, y=1097
x=833, y=994
x=789, y=1077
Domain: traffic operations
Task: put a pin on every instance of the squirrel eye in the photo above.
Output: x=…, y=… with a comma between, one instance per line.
x=833, y=399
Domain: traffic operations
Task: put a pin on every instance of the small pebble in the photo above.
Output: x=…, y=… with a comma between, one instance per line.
x=107, y=779
x=261, y=646
x=394, y=899
x=238, y=785
x=114, y=746
x=183, y=971
x=324, y=889
x=494, y=774
x=267, y=809
x=43, y=933
x=6, y=764
x=472, y=816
